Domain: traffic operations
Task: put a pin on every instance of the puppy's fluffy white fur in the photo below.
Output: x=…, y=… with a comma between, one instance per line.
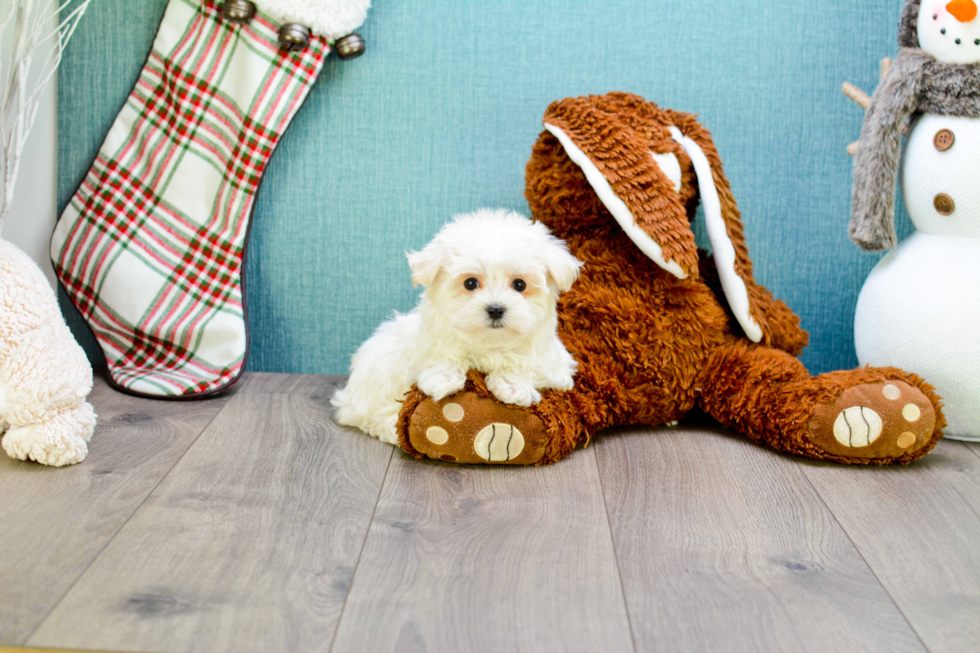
x=519, y=269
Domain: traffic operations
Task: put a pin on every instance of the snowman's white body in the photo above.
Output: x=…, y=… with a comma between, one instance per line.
x=920, y=307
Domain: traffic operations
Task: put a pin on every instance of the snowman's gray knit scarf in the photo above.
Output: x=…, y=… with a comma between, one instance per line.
x=916, y=83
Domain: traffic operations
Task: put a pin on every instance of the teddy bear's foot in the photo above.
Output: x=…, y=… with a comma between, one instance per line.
x=468, y=428
x=59, y=441
x=883, y=420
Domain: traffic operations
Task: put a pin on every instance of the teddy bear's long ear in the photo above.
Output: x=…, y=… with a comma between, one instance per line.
x=724, y=223
x=609, y=138
x=628, y=180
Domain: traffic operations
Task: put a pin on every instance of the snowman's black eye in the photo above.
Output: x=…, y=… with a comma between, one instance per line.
x=471, y=284
x=519, y=285
x=942, y=31
x=977, y=42
x=935, y=16
x=958, y=41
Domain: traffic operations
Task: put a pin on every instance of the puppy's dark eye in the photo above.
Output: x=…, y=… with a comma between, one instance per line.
x=519, y=285
x=471, y=284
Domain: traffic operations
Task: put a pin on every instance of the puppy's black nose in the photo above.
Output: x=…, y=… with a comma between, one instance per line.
x=496, y=312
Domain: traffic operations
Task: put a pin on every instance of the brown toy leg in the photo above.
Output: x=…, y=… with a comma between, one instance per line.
x=867, y=416
x=473, y=427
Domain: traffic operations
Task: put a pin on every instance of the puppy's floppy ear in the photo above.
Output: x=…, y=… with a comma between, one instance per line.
x=427, y=263
x=562, y=267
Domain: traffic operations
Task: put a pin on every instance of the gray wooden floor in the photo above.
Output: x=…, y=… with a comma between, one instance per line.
x=252, y=523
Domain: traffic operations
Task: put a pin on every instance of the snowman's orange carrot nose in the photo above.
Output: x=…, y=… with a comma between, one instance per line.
x=963, y=10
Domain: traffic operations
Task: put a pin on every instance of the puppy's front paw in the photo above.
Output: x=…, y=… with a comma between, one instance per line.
x=513, y=389
x=441, y=381
x=563, y=382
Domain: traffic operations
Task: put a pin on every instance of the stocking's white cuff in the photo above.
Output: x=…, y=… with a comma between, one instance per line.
x=328, y=18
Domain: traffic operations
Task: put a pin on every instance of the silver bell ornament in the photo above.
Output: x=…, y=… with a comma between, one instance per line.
x=349, y=47
x=238, y=11
x=293, y=36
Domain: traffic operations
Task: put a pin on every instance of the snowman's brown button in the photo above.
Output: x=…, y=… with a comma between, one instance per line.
x=944, y=140
x=944, y=204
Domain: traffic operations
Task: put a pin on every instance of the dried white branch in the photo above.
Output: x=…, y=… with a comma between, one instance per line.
x=29, y=24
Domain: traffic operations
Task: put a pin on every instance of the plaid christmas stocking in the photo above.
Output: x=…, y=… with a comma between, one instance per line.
x=151, y=248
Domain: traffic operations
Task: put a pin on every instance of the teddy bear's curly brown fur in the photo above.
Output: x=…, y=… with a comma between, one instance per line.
x=658, y=327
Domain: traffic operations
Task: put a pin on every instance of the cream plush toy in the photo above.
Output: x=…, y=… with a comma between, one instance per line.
x=44, y=374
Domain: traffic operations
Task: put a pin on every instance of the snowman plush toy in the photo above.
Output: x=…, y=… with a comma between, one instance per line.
x=920, y=307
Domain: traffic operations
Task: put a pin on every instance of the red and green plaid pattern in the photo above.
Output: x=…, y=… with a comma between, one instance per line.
x=151, y=247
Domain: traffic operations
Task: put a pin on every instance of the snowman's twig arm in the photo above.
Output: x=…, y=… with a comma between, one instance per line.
x=876, y=161
x=856, y=95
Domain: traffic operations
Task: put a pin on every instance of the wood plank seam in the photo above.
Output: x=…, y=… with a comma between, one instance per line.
x=248, y=544
x=615, y=552
x=730, y=571
x=867, y=564
x=367, y=532
x=122, y=525
x=972, y=446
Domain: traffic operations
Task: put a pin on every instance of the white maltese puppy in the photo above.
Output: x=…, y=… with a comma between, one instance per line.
x=492, y=280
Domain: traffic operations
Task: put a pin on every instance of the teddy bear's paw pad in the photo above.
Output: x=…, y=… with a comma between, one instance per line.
x=467, y=428
x=499, y=443
x=875, y=420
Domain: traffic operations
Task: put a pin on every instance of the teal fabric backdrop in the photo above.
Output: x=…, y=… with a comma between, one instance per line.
x=439, y=117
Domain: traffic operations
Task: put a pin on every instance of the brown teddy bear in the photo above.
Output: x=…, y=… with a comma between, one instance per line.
x=660, y=328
